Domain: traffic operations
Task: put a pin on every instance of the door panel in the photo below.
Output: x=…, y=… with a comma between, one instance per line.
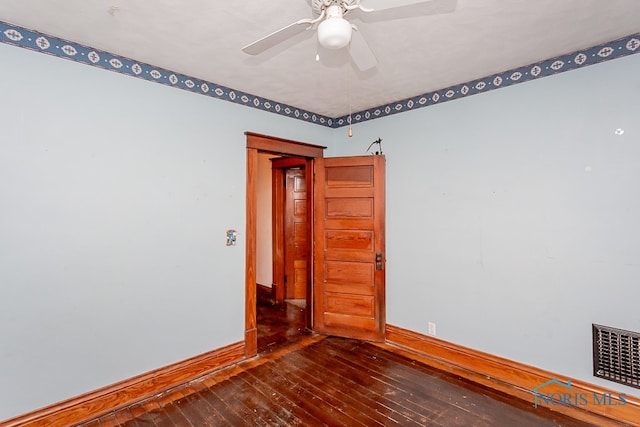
x=349, y=279
x=349, y=239
x=349, y=208
x=359, y=272
x=296, y=241
x=357, y=305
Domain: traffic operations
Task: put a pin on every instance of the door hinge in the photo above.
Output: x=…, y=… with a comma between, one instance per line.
x=285, y=278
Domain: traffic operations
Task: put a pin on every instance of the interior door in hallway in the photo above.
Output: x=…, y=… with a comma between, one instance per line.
x=295, y=230
x=349, y=252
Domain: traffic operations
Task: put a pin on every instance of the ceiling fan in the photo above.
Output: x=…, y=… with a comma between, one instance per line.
x=335, y=32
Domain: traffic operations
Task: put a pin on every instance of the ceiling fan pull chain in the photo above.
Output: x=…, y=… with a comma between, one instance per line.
x=350, y=132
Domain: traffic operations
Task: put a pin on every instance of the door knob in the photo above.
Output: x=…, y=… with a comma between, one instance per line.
x=379, y=261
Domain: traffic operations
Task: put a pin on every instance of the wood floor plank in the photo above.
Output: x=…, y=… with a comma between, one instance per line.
x=302, y=397
x=294, y=415
x=144, y=413
x=481, y=403
x=169, y=396
x=261, y=404
x=276, y=402
x=162, y=419
x=175, y=415
x=202, y=404
x=143, y=421
x=234, y=403
x=280, y=386
x=196, y=407
x=361, y=385
x=408, y=391
x=123, y=415
x=338, y=399
x=360, y=402
x=408, y=387
x=374, y=385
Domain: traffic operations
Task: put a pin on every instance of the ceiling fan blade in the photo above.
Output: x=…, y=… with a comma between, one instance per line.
x=361, y=53
x=439, y=6
x=278, y=37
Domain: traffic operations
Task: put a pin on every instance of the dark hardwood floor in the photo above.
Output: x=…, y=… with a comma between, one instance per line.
x=279, y=324
x=304, y=379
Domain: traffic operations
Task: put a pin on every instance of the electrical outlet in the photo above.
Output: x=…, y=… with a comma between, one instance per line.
x=431, y=328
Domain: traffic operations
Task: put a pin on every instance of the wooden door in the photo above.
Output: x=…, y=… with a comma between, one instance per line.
x=349, y=252
x=295, y=234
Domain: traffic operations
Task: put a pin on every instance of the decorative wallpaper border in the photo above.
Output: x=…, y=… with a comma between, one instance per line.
x=604, y=52
x=28, y=39
x=32, y=40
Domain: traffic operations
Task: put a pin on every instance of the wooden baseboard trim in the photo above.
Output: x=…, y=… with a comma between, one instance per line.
x=514, y=378
x=107, y=399
x=250, y=343
x=265, y=293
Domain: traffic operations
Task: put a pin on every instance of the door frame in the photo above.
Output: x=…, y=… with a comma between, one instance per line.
x=258, y=143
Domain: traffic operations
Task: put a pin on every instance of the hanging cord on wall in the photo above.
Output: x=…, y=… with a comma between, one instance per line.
x=379, y=143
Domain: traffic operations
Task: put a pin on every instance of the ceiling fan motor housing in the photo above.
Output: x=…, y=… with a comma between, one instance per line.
x=317, y=6
x=335, y=31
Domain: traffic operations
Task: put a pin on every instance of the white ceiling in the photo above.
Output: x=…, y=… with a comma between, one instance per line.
x=417, y=51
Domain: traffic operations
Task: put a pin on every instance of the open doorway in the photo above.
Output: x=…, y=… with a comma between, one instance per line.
x=294, y=164
x=282, y=251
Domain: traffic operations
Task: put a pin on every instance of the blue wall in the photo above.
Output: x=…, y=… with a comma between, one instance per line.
x=115, y=196
x=513, y=216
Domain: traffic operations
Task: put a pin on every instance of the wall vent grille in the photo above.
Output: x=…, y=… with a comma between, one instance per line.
x=616, y=355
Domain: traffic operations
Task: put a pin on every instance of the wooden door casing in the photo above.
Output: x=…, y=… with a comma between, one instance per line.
x=257, y=143
x=349, y=247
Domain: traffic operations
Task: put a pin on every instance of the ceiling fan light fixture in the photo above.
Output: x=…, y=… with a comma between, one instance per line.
x=334, y=33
